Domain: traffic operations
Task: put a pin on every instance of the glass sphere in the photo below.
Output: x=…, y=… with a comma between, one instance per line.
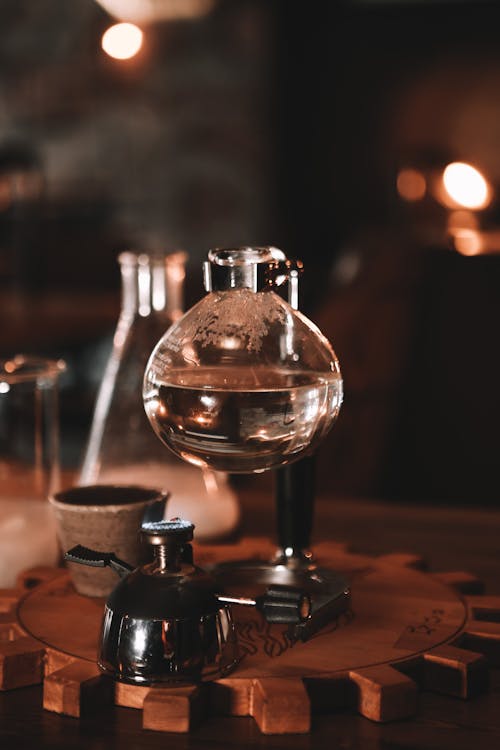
x=242, y=382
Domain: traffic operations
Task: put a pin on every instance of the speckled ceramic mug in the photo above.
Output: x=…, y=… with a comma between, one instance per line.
x=105, y=518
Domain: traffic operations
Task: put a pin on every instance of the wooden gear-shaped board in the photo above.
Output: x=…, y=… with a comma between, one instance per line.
x=408, y=630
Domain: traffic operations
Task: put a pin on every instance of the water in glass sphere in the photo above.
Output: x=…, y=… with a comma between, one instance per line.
x=243, y=419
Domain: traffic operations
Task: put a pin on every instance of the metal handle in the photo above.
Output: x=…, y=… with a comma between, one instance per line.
x=85, y=556
x=278, y=604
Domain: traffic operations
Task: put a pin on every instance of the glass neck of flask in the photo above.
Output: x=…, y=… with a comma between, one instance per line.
x=152, y=284
x=239, y=268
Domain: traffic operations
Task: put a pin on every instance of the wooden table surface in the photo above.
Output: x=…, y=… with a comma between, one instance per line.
x=448, y=539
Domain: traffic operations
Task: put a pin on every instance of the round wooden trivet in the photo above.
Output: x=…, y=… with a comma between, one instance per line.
x=408, y=630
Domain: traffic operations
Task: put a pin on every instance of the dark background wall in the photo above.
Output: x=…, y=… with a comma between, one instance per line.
x=269, y=122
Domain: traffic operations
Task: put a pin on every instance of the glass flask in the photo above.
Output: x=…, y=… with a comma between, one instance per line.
x=243, y=382
x=122, y=448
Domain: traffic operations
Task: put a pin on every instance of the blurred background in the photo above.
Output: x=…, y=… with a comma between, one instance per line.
x=361, y=137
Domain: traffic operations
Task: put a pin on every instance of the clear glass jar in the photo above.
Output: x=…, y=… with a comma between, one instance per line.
x=29, y=463
x=122, y=448
x=243, y=382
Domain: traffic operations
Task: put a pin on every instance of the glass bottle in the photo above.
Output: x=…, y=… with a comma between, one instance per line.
x=29, y=463
x=122, y=448
x=243, y=382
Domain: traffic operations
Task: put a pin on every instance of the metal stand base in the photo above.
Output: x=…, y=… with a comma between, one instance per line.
x=329, y=591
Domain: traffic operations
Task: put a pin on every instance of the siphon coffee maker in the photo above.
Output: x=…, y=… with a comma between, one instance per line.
x=243, y=383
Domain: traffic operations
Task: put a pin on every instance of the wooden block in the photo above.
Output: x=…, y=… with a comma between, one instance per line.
x=131, y=696
x=21, y=663
x=455, y=671
x=55, y=660
x=484, y=608
x=177, y=709
x=384, y=693
x=77, y=690
x=281, y=706
x=461, y=581
x=231, y=697
x=483, y=636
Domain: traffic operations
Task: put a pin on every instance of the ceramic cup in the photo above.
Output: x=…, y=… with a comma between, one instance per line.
x=105, y=518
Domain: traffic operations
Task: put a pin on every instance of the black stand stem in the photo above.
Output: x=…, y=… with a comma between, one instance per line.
x=295, y=489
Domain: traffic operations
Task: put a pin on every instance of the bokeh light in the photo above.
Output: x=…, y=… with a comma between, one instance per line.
x=466, y=186
x=122, y=41
x=468, y=242
x=411, y=185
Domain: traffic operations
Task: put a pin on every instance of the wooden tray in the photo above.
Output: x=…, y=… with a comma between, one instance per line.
x=408, y=630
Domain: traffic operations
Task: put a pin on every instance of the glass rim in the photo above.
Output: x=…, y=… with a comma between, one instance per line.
x=24, y=368
x=245, y=255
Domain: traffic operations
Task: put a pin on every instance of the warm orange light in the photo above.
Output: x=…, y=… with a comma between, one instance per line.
x=462, y=220
x=122, y=41
x=411, y=185
x=466, y=186
x=468, y=242
x=151, y=11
